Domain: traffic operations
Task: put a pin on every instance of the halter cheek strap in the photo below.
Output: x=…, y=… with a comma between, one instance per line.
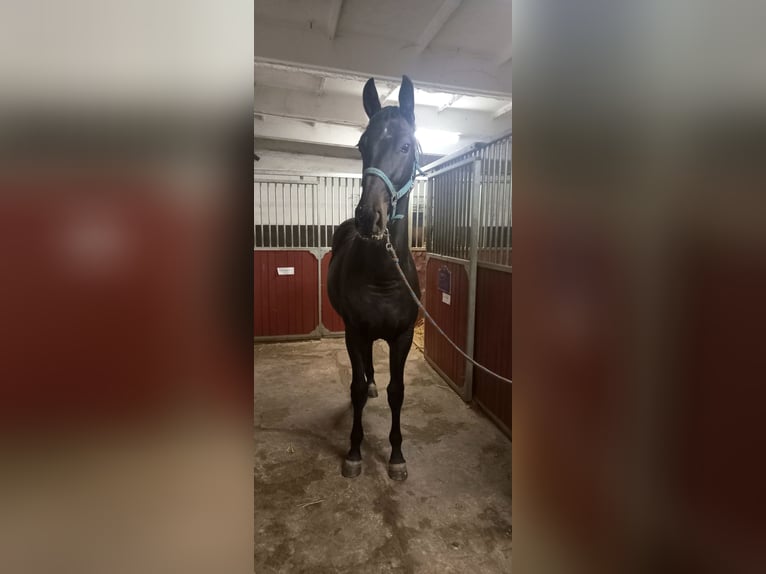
x=396, y=195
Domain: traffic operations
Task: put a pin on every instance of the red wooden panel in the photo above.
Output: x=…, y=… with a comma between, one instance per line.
x=719, y=442
x=285, y=304
x=492, y=346
x=103, y=284
x=330, y=319
x=570, y=317
x=452, y=318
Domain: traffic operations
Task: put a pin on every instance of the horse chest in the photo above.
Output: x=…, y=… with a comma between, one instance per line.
x=383, y=309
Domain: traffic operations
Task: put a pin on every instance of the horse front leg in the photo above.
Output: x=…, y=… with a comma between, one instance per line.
x=399, y=349
x=352, y=465
x=369, y=371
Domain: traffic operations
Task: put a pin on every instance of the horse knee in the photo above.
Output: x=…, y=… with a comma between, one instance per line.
x=359, y=392
x=395, y=395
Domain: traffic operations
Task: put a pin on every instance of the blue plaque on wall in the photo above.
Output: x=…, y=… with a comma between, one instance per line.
x=445, y=280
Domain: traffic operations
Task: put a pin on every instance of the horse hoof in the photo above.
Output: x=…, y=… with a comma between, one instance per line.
x=397, y=471
x=351, y=468
x=372, y=391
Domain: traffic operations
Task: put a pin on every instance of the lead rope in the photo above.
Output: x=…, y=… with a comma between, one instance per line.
x=395, y=257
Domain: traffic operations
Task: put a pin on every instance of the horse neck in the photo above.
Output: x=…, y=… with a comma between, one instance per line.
x=398, y=228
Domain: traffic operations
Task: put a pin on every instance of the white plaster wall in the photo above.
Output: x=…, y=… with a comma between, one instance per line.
x=304, y=164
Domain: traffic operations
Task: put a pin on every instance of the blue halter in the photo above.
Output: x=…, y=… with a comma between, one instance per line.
x=405, y=189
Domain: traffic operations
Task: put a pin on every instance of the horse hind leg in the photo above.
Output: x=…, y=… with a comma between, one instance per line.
x=352, y=464
x=369, y=372
x=400, y=348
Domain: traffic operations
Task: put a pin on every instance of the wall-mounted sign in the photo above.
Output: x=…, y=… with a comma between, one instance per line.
x=285, y=270
x=447, y=298
x=444, y=281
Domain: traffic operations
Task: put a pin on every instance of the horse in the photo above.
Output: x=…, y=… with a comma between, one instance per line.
x=363, y=283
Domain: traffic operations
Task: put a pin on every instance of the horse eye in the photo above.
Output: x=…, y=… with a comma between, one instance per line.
x=405, y=148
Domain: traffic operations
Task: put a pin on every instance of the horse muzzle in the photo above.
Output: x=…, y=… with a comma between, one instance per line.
x=371, y=222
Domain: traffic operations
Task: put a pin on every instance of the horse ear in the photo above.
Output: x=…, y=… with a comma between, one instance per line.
x=407, y=100
x=370, y=98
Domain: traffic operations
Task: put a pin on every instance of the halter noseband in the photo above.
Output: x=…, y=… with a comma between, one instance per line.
x=405, y=189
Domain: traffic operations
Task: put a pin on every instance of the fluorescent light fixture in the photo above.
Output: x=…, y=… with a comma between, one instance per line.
x=436, y=139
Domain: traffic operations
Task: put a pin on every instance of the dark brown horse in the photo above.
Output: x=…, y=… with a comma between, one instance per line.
x=363, y=283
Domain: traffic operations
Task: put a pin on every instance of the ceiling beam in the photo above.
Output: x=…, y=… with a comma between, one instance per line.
x=366, y=56
x=451, y=101
x=501, y=111
x=287, y=129
x=436, y=23
x=390, y=95
x=335, y=74
x=334, y=18
x=347, y=110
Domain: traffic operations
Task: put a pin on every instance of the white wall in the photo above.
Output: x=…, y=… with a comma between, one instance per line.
x=304, y=164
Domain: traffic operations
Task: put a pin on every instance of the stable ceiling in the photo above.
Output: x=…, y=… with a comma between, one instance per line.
x=312, y=58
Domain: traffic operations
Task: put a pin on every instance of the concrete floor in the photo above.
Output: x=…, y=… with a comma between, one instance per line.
x=452, y=514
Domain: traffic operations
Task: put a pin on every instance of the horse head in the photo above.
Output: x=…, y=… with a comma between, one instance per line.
x=389, y=157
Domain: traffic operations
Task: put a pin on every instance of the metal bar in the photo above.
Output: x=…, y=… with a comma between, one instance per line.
x=327, y=184
x=293, y=188
x=265, y=210
x=336, y=207
x=268, y=205
x=315, y=213
x=441, y=200
x=453, y=215
x=458, y=211
x=503, y=201
x=283, y=243
x=350, y=197
x=422, y=214
x=263, y=218
x=433, y=241
x=509, y=186
x=428, y=224
x=466, y=151
x=409, y=215
x=509, y=168
x=260, y=211
x=461, y=213
x=332, y=210
x=295, y=210
x=423, y=211
x=493, y=202
x=451, y=167
x=319, y=255
x=467, y=201
x=447, y=211
x=496, y=206
x=437, y=220
x=305, y=239
x=483, y=183
x=506, y=214
x=472, y=274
